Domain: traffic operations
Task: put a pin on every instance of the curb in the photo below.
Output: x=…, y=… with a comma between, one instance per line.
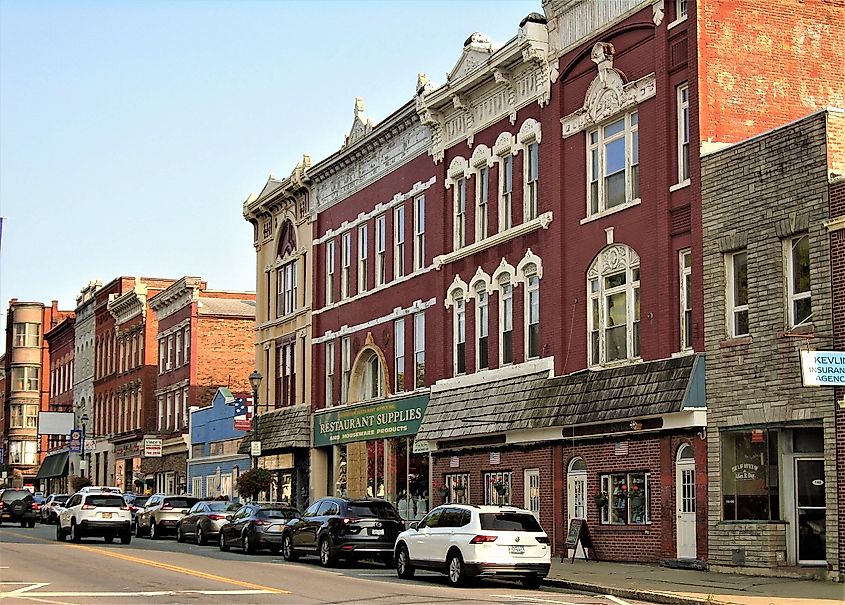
x=643, y=595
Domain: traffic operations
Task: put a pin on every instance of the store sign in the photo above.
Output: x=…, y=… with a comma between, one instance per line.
x=745, y=472
x=127, y=450
x=421, y=447
x=75, y=441
x=399, y=418
x=152, y=448
x=823, y=368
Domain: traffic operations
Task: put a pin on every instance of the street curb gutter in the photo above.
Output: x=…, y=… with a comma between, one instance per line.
x=643, y=595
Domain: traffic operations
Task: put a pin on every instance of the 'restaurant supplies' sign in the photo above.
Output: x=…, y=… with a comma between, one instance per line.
x=152, y=448
x=823, y=368
x=399, y=418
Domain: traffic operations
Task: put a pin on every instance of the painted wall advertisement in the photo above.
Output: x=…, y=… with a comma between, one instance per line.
x=823, y=368
x=399, y=418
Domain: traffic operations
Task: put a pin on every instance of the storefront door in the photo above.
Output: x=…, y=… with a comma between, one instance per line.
x=576, y=489
x=532, y=491
x=685, y=503
x=810, y=510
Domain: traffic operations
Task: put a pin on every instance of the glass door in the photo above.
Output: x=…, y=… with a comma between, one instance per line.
x=810, y=510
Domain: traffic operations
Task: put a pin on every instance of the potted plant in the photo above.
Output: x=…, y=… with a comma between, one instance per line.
x=600, y=498
x=500, y=486
x=77, y=482
x=253, y=482
x=459, y=488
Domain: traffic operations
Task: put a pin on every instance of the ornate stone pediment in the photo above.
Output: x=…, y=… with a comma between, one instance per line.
x=477, y=49
x=608, y=94
x=361, y=125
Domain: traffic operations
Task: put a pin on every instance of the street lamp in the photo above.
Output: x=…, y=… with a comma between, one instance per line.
x=84, y=421
x=255, y=444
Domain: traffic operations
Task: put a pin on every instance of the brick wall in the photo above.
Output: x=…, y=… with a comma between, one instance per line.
x=837, y=269
x=224, y=356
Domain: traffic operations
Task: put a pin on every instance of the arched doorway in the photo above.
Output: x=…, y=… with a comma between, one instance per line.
x=576, y=491
x=685, y=502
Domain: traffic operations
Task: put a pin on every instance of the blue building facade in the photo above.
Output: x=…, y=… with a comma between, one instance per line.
x=214, y=463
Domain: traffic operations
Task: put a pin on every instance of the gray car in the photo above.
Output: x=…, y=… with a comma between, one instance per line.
x=161, y=514
x=51, y=507
x=204, y=520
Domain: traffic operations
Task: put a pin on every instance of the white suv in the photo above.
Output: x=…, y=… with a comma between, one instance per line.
x=92, y=513
x=466, y=541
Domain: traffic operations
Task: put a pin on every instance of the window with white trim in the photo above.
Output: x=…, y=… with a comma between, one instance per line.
x=683, y=133
x=505, y=321
x=737, y=294
x=798, y=278
x=161, y=354
x=381, y=249
x=371, y=383
x=26, y=378
x=362, y=258
x=399, y=242
x=399, y=354
x=505, y=192
x=345, y=368
x=482, y=322
x=419, y=350
x=613, y=164
x=681, y=9
x=178, y=349
x=685, y=270
x=329, y=374
x=459, y=239
x=456, y=486
x=531, y=170
x=330, y=250
x=614, y=310
x=498, y=488
x=169, y=364
x=459, y=335
x=628, y=497
x=287, y=285
x=482, y=198
x=186, y=342
x=23, y=452
x=345, y=262
x=419, y=232
x=27, y=335
x=532, y=313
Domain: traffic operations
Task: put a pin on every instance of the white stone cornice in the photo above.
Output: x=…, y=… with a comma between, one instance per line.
x=835, y=224
x=129, y=304
x=175, y=297
x=397, y=313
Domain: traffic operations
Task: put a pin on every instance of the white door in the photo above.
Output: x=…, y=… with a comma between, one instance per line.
x=685, y=502
x=576, y=490
x=532, y=491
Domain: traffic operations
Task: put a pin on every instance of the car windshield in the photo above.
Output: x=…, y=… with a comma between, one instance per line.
x=60, y=499
x=180, y=502
x=220, y=506
x=11, y=495
x=139, y=501
x=276, y=513
x=377, y=510
x=509, y=522
x=109, y=501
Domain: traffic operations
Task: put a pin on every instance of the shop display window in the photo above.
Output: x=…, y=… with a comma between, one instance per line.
x=628, y=499
x=750, y=486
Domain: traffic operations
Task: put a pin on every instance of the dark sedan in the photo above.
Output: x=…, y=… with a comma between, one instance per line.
x=335, y=528
x=204, y=520
x=257, y=526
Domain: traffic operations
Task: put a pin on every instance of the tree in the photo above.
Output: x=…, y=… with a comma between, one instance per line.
x=253, y=482
x=77, y=482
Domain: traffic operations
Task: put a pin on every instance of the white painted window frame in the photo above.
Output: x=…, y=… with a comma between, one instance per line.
x=531, y=190
x=330, y=269
x=683, y=132
x=532, y=293
x=381, y=249
x=345, y=367
x=399, y=376
x=505, y=191
x=419, y=350
x=482, y=324
x=482, y=202
x=599, y=297
x=419, y=232
x=329, y=374
x=505, y=286
x=685, y=273
x=596, y=157
x=345, y=263
x=459, y=333
x=362, y=257
x=459, y=216
x=792, y=295
x=734, y=309
x=399, y=242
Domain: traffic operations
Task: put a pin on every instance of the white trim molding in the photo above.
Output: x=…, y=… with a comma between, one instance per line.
x=416, y=307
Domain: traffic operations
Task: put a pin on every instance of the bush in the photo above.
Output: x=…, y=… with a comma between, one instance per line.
x=253, y=482
x=77, y=482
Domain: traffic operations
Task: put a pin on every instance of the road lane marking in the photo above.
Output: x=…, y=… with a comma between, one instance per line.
x=143, y=593
x=534, y=599
x=616, y=599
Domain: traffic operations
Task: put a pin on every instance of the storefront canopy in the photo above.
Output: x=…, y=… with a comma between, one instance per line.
x=54, y=465
x=281, y=429
x=536, y=401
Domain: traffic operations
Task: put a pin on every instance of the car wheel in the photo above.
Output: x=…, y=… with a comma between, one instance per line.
x=153, y=531
x=60, y=535
x=287, y=548
x=138, y=533
x=223, y=546
x=327, y=557
x=108, y=539
x=455, y=570
x=75, y=534
x=31, y=523
x=404, y=569
x=23, y=523
x=532, y=582
x=247, y=545
x=126, y=537
x=180, y=536
x=200, y=536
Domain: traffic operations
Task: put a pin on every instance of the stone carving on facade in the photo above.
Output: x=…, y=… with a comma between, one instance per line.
x=502, y=76
x=608, y=94
x=534, y=43
x=461, y=103
x=361, y=125
x=615, y=257
x=477, y=49
x=658, y=10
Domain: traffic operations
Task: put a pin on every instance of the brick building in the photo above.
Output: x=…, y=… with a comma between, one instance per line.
x=766, y=208
x=83, y=366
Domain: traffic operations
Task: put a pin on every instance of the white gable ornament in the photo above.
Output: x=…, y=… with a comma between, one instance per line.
x=361, y=125
x=608, y=94
x=477, y=49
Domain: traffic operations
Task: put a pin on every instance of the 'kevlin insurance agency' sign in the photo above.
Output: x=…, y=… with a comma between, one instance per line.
x=399, y=418
x=823, y=368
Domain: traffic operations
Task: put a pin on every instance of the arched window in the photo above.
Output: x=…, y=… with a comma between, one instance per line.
x=505, y=319
x=460, y=334
x=482, y=321
x=371, y=385
x=613, y=289
x=532, y=312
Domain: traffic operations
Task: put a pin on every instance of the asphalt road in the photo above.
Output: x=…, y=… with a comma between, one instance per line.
x=34, y=568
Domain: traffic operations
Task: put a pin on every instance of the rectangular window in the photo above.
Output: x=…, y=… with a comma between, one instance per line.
x=16, y=413
x=187, y=344
x=686, y=299
x=505, y=192
x=169, y=364
x=419, y=233
x=628, y=496
x=31, y=416
x=482, y=320
x=505, y=322
x=532, y=167
x=460, y=336
x=135, y=351
x=737, y=270
x=399, y=354
x=25, y=378
x=23, y=452
x=178, y=349
x=456, y=488
x=399, y=242
x=288, y=288
x=681, y=9
x=750, y=480
x=286, y=374
x=482, y=197
x=419, y=350
x=345, y=263
x=460, y=230
x=345, y=367
x=362, y=258
x=330, y=272
x=280, y=280
x=613, y=164
x=27, y=335
x=532, y=316
x=381, y=246
x=329, y=374
x=497, y=488
x=798, y=262
x=161, y=412
x=683, y=133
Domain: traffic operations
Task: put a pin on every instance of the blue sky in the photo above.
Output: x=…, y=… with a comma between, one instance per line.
x=132, y=132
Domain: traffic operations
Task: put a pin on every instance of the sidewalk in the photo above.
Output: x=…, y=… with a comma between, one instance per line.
x=687, y=587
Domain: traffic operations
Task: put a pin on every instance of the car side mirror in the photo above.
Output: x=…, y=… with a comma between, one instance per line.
x=414, y=525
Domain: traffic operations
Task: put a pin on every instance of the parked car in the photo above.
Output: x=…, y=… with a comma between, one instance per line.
x=205, y=519
x=17, y=506
x=257, y=526
x=160, y=514
x=48, y=510
x=465, y=541
x=332, y=528
x=95, y=514
x=136, y=502
x=100, y=489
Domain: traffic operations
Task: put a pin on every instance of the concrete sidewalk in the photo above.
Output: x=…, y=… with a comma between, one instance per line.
x=687, y=587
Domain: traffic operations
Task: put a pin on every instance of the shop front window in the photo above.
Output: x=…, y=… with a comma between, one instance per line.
x=750, y=487
x=628, y=499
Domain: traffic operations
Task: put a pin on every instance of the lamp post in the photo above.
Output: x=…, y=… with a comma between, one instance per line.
x=83, y=463
x=255, y=444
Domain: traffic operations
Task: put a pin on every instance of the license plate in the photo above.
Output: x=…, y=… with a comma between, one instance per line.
x=106, y=515
x=516, y=550
x=376, y=532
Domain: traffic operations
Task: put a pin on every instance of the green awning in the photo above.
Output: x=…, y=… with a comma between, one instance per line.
x=54, y=465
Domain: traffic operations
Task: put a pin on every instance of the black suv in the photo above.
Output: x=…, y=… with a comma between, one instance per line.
x=17, y=506
x=334, y=528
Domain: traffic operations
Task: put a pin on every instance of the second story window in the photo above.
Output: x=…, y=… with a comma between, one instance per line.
x=505, y=321
x=613, y=164
x=614, y=308
x=329, y=374
x=330, y=272
x=460, y=217
x=460, y=335
x=737, y=294
x=482, y=322
x=178, y=349
x=505, y=192
x=399, y=355
x=25, y=378
x=419, y=350
x=532, y=168
x=482, y=198
x=399, y=242
x=686, y=299
x=362, y=258
x=683, y=133
x=345, y=367
x=798, y=261
x=532, y=315
x=288, y=277
x=345, y=262
x=162, y=353
x=381, y=245
x=187, y=344
x=169, y=365
x=681, y=9
x=286, y=373
x=27, y=335
x=419, y=233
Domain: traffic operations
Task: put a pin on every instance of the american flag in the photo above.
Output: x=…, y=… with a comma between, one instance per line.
x=241, y=406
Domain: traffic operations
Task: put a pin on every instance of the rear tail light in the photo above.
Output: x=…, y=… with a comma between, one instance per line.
x=35, y=506
x=216, y=517
x=542, y=539
x=483, y=539
x=260, y=522
x=126, y=508
x=87, y=507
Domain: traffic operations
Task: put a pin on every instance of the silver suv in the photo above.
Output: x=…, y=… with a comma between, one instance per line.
x=95, y=514
x=161, y=514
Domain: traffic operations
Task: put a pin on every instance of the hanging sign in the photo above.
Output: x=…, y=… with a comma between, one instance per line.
x=823, y=368
x=387, y=418
x=152, y=448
